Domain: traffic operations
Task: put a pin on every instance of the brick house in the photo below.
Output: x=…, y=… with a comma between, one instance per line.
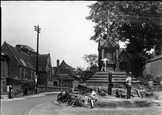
x=4, y=72
x=64, y=75
x=22, y=66
x=65, y=80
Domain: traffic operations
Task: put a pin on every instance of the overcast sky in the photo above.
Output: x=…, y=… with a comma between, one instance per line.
x=65, y=32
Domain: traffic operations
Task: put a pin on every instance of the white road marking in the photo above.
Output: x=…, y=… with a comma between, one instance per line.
x=30, y=113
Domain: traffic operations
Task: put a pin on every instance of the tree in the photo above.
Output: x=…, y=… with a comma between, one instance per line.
x=84, y=74
x=107, y=17
x=91, y=59
x=25, y=48
x=137, y=22
x=143, y=32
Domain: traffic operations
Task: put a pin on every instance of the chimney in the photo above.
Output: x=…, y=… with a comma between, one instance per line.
x=58, y=62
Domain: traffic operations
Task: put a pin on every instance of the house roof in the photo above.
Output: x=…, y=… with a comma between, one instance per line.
x=22, y=58
x=123, y=50
x=108, y=44
x=65, y=77
x=27, y=60
x=54, y=69
x=42, y=61
x=64, y=68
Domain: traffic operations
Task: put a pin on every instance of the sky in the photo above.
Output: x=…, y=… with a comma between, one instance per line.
x=65, y=33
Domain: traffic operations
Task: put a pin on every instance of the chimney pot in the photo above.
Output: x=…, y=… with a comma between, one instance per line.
x=58, y=62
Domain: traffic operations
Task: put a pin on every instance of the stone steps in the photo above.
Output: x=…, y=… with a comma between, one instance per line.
x=101, y=78
x=112, y=78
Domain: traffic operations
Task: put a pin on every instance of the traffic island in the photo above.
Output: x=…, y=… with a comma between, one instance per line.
x=125, y=103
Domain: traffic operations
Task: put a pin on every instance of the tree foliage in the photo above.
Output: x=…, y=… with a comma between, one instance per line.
x=143, y=32
x=107, y=17
x=91, y=59
x=137, y=22
x=85, y=74
x=25, y=48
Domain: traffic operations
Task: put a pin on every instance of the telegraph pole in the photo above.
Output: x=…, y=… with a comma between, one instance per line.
x=37, y=29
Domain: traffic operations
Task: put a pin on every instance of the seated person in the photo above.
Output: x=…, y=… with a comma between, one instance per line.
x=93, y=98
x=63, y=97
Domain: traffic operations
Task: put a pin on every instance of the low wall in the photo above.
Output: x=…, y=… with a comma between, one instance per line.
x=42, y=88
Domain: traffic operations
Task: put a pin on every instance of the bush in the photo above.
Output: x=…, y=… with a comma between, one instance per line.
x=149, y=77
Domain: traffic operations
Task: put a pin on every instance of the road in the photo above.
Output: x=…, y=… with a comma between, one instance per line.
x=23, y=106
x=46, y=105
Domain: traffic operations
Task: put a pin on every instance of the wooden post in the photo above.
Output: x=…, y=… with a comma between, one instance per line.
x=110, y=83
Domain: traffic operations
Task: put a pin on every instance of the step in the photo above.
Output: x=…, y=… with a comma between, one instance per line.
x=106, y=73
x=96, y=78
x=124, y=76
x=113, y=80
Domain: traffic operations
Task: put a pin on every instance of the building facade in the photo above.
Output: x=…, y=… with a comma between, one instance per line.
x=4, y=72
x=64, y=75
x=22, y=66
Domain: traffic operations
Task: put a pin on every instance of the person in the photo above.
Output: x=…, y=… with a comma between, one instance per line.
x=93, y=98
x=128, y=85
x=63, y=97
x=104, y=60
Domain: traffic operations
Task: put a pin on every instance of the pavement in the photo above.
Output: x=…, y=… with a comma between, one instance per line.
x=5, y=97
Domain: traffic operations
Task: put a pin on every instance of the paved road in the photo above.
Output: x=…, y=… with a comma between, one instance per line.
x=46, y=105
x=23, y=106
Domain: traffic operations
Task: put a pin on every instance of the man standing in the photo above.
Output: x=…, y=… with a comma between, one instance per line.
x=128, y=85
x=104, y=64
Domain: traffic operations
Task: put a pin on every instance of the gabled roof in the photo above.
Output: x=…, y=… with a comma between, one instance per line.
x=54, y=69
x=42, y=61
x=22, y=58
x=28, y=61
x=108, y=44
x=65, y=77
x=123, y=56
x=64, y=68
x=123, y=50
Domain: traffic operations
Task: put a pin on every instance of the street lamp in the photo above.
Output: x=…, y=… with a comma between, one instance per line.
x=37, y=29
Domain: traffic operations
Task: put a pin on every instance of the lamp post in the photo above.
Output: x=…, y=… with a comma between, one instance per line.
x=37, y=29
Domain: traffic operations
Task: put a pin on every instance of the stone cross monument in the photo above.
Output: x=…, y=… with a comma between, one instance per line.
x=110, y=50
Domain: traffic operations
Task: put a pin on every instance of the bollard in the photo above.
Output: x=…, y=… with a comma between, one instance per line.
x=10, y=92
x=110, y=83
